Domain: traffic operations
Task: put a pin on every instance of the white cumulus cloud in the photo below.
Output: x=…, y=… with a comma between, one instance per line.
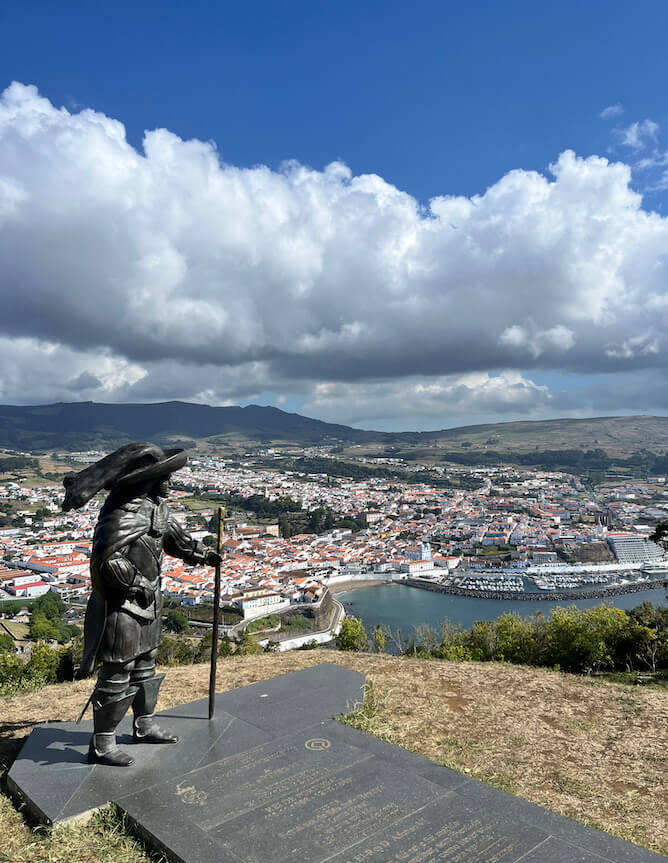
x=166, y=273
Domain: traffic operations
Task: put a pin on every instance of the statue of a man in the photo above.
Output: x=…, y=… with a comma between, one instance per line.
x=123, y=619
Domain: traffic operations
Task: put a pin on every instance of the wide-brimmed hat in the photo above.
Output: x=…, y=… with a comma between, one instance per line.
x=172, y=460
x=132, y=464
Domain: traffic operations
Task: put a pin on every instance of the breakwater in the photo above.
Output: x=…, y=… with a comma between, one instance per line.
x=548, y=595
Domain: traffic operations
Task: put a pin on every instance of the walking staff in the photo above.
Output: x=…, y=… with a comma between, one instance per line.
x=216, y=615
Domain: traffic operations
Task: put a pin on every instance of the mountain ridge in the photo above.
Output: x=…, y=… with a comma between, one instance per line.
x=98, y=425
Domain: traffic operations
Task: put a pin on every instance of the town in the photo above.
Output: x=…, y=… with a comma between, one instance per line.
x=494, y=531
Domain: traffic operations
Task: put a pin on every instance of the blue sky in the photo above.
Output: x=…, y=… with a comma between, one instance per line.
x=436, y=97
x=330, y=294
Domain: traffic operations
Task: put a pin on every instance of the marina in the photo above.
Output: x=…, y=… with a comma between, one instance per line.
x=401, y=607
x=499, y=590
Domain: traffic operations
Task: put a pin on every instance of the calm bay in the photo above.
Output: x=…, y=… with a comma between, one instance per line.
x=400, y=607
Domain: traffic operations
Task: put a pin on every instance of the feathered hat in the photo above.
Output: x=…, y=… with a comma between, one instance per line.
x=132, y=464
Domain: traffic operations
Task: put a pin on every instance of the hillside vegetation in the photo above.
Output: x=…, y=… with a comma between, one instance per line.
x=592, y=750
x=90, y=425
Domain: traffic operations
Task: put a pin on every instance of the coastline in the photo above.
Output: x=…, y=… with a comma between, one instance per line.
x=344, y=586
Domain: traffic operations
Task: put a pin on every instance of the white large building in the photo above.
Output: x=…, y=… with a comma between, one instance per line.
x=631, y=548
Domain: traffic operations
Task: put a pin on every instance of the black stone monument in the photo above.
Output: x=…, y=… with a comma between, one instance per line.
x=275, y=778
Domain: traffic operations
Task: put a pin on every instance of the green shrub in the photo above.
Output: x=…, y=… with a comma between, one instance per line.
x=269, y=622
x=176, y=651
x=46, y=665
x=7, y=643
x=352, y=635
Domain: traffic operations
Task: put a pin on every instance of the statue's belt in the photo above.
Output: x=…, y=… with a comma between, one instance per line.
x=136, y=610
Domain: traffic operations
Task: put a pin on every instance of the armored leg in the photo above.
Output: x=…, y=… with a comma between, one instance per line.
x=147, y=684
x=111, y=699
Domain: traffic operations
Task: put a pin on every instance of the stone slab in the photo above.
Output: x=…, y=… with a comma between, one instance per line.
x=273, y=778
x=603, y=845
x=52, y=778
x=330, y=794
x=448, y=829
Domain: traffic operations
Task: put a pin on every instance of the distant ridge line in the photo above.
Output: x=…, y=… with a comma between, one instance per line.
x=96, y=425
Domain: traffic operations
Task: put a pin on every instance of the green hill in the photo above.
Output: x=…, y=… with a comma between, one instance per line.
x=90, y=425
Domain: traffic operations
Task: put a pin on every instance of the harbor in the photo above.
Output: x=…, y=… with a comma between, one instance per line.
x=401, y=607
x=499, y=591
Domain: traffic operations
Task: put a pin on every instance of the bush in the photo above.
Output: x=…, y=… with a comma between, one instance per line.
x=297, y=623
x=308, y=645
x=246, y=646
x=12, y=675
x=586, y=640
x=269, y=622
x=46, y=665
x=225, y=647
x=176, y=621
x=592, y=639
x=176, y=651
x=7, y=643
x=352, y=635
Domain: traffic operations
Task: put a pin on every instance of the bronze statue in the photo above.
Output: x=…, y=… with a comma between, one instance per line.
x=123, y=619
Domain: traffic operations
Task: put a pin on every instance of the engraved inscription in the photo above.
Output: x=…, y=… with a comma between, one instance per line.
x=344, y=821
x=465, y=841
x=325, y=811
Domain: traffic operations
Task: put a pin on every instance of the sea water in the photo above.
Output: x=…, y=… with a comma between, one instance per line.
x=398, y=606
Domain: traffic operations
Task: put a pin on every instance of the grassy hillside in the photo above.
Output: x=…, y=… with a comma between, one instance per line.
x=89, y=425
x=617, y=436
x=591, y=750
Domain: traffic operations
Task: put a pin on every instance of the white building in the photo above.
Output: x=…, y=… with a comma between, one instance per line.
x=631, y=548
x=27, y=587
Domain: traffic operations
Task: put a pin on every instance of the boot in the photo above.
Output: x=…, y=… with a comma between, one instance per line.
x=145, y=728
x=106, y=716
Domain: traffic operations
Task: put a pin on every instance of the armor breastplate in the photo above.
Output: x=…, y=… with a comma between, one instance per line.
x=145, y=553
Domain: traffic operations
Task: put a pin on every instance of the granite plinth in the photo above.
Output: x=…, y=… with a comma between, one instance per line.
x=274, y=778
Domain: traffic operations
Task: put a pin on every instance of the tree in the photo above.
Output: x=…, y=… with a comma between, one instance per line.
x=175, y=651
x=284, y=526
x=352, y=635
x=481, y=641
x=591, y=639
x=225, y=648
x=6, y=643
x=176, y=621
x=42, y=666
x=43, y=629
x=247, y=646
x=50, y=605
x=203, y=650
x=515, y=639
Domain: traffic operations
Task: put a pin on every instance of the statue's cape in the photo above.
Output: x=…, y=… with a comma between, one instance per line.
x=118, y=526
x=96, y=617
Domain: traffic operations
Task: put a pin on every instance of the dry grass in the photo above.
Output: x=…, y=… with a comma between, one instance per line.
x=591, y=750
